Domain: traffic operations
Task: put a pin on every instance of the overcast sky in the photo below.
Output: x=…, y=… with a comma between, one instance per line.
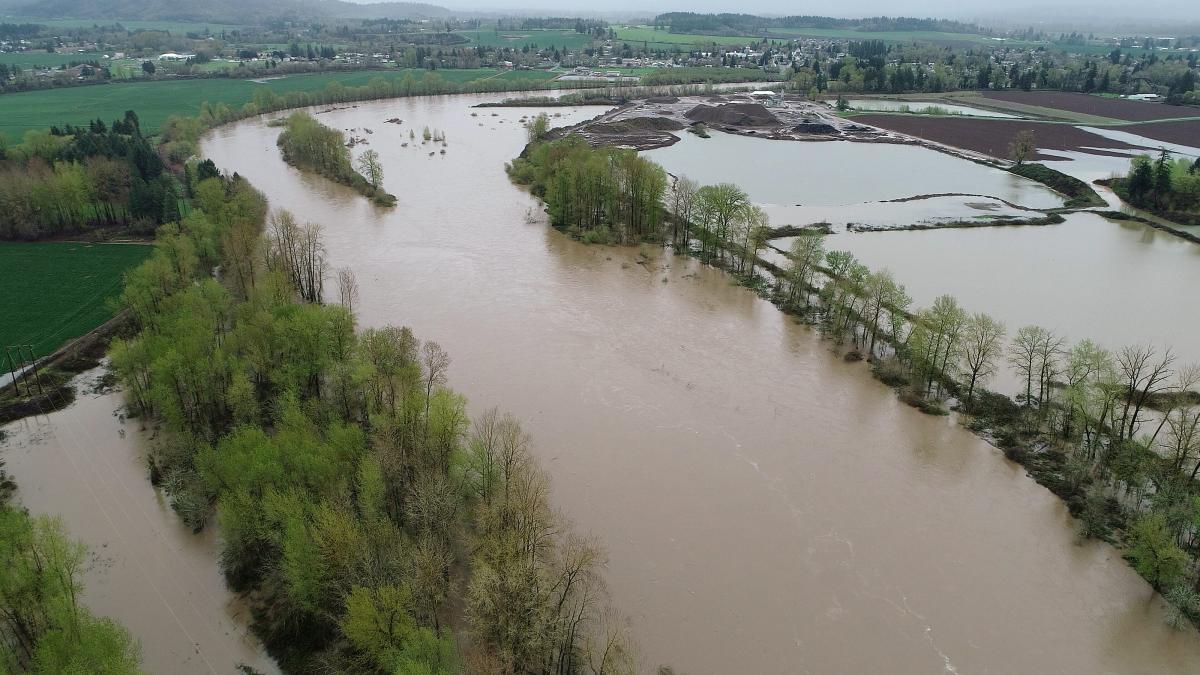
x=1085, y=9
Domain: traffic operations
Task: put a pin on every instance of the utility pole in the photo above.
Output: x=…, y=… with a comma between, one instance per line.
x=12, y=370
x=37, y=376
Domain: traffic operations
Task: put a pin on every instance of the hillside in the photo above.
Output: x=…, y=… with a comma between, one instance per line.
x=218, y=11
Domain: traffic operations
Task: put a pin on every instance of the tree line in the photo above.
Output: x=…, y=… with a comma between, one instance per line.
x=375, y=525
x=77, y=180
x=601, y=194
x=1115, y=433
x=1170, y=187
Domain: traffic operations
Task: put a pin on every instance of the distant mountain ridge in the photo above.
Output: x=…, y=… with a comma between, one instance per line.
x=218, y=11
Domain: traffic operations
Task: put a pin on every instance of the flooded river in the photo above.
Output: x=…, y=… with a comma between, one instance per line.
x=766, y=508
x=146, y=570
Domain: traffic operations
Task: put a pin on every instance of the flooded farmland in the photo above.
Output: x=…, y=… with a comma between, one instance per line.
x=765, y=506
x=1070, y=277
x=917, y=107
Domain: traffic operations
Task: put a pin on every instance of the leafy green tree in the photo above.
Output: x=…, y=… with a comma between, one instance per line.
x=1154, y=553
x=983, y=345
x=538, y=127
x=43, y=626
x=370, y=166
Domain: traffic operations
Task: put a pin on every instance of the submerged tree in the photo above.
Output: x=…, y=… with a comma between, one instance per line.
x=369, y=165
x=983, y=344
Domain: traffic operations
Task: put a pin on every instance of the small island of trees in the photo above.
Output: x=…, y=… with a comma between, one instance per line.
x=1164, y=186
x=308, y=144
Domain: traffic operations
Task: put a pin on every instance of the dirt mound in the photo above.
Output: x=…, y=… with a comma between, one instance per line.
x=814, y=128
x=733, y=114
x=635, y=125
x=662, y=99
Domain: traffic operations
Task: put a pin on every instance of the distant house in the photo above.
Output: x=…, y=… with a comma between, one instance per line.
x=1144, y=97
x=762, y=93
x=172, y=56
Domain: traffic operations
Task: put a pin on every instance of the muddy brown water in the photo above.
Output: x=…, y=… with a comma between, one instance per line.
x=766, y=507
x=86, y=465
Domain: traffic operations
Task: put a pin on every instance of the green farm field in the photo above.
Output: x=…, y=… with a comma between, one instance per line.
x=662, y=37
x=520, y=38
x=156, y=101
x=42, y=58
x=56, y=291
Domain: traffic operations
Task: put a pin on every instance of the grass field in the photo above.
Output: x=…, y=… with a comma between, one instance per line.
x=520, y=38
x=156, y=101
x=57, y=291
x=900, y=36
x=648, y=35
x=42, y=58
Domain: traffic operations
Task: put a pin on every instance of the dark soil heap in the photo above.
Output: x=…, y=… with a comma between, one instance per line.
x=733, y=114
x=814, y=128
x=635, y=125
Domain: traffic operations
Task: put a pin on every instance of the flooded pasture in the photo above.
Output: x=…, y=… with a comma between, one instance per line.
x=918, y=107
x=840, y=173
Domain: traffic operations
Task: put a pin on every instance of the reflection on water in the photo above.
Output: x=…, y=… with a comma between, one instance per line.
x=1117, y=134
x=922, y=106
x=836, y=173
x=766, y=507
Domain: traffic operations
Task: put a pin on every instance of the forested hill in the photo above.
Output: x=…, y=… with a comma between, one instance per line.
x=748, y=24
x=218, y=11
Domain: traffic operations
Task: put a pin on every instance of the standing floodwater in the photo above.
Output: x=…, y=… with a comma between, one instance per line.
x=149, y=572
x=766, y=508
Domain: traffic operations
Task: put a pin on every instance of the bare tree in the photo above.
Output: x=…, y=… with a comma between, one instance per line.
x=1022, y=147
x=298, y=254
x=1144, y=374
x=347, y=288
x=1180, y=415
x=434, y=362
x=1023, y=356
x=1049, y=356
